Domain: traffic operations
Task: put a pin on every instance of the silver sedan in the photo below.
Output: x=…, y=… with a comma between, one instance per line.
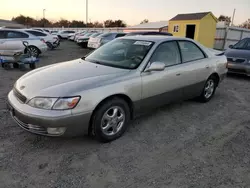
x=101, y=93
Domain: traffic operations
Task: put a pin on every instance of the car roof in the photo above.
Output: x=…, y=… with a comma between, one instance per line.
x=154, y=38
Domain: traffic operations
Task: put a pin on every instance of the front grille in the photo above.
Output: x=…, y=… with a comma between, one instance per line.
x=236, y=60
x=18, y=95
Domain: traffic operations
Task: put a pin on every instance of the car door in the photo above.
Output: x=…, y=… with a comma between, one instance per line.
x=196, y=68
x=14, y=41
x=2, y=42
x=162, y=87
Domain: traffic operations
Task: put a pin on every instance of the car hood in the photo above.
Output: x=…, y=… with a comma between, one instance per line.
x=67, y=78
x=238, y=53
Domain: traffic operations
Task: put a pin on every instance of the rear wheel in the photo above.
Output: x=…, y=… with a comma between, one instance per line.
x=50, y=46
x=34, y=51
x=209, y=89
x=110, y=120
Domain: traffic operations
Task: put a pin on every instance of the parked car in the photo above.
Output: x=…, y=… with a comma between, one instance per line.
x=11, y=42
x=238, y=57
x=149, y=33
x=64, y=34
x=100, y=93
x=42, y=30
x=83, y=34
x=83, y=41
x=103, y=39
x=52, y=41
x=54, y=32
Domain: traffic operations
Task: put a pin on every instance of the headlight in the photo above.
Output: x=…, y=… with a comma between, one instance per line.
x=248, y=61
x=43, y=103
x=66, y=103
x=54, y=103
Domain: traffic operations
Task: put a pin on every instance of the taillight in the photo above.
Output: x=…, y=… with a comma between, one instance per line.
x=42, y=40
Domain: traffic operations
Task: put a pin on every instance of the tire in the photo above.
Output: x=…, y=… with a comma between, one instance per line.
x=6, y=66
x=110, y=120
x=35, y=52
x=50, y=46
x=209, y=89
x=15, y=65
x=32, y=65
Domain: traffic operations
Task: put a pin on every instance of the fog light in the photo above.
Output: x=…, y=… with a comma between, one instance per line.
x=56, y=131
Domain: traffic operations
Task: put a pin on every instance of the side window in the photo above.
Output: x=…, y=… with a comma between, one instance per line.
x=37, y=33
x=16, y=35
x=2, y=34
x=167, y=53
x=190, y=52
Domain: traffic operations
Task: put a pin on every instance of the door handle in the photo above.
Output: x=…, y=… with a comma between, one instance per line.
x=207, y=66
x=178, y=74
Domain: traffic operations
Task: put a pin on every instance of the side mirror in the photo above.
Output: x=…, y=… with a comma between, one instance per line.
x=156, y=66
x=231, y=46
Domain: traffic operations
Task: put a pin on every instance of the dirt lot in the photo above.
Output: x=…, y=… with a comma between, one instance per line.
x=181, y=145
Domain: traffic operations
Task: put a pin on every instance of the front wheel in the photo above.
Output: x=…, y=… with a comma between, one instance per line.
x=209, y=89
x=110, y=120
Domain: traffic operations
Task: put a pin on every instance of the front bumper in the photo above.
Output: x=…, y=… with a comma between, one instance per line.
x=38, y=120
x=239, y=68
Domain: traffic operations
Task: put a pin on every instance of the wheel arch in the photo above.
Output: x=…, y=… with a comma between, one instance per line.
x=124, y=97
x=216, y=76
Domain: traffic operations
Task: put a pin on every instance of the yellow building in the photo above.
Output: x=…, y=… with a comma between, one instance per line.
x=198, y=26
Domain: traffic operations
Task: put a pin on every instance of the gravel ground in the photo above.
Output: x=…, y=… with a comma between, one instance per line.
x=187, y=144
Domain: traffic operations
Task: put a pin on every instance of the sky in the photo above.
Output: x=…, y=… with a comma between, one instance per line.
x=131, y=11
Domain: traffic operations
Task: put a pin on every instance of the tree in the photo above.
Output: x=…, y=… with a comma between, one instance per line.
x=246, y=24
x=98, y=24
x=115, y=23
x=144, y=21
x=223, y=18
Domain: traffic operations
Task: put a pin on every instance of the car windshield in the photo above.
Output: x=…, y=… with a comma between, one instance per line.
x=243, y=44
x=121, y=53
x=106, y=35
x=88, y=34
x=95, y=34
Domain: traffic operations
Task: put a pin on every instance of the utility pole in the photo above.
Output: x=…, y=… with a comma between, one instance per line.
x=233, y=17
x=87, y=12
x=44, y=17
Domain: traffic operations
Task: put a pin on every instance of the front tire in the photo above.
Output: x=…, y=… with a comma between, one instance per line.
x=110, y=120
x=209, y=89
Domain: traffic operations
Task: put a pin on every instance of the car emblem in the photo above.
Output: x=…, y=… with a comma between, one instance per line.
x=234, y=59
x=22, y=87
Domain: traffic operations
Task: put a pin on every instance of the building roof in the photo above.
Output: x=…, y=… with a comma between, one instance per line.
x=190, y=16
x=10, y=24
x=150, y=25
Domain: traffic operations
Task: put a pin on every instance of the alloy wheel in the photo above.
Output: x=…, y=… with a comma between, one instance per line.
x=113, y=120
x=209, y=88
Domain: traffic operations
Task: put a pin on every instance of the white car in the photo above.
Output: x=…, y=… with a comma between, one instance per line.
x=51, y=40
x=11, y=42
x=42, y=30
x=64, y=34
